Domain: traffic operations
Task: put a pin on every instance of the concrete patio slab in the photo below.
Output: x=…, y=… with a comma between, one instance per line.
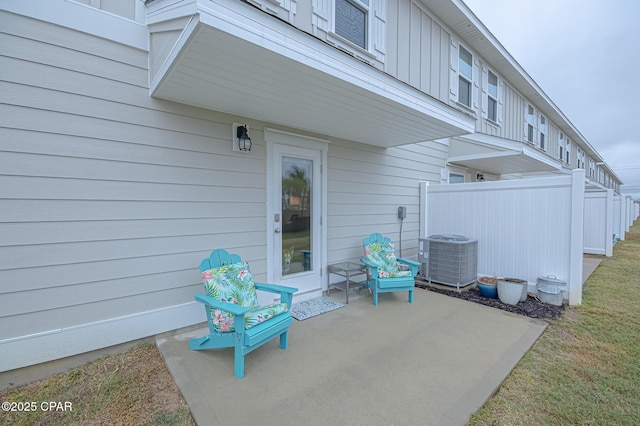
x=433, y=362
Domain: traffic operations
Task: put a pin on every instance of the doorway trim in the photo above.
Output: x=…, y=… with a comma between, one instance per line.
x=279, y=137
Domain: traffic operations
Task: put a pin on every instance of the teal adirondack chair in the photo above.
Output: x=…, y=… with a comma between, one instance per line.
x=385, y=273
x=234, y=317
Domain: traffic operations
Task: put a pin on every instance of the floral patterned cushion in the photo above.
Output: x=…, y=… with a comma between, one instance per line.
x=385, y=274
x=383, y=256
x=234, y=284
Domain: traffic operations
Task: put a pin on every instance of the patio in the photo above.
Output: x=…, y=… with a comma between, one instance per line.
x=435, y=361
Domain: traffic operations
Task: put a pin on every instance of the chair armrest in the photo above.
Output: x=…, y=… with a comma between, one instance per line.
x=225, y=306
x=286, y=293
x=274, y=288
x=409, y=262
x=412, y=264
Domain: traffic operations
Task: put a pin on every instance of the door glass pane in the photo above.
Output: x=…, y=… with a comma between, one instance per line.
x=296, y=215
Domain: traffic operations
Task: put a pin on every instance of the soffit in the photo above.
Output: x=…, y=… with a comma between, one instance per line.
x=239, y=60
x=495, y=156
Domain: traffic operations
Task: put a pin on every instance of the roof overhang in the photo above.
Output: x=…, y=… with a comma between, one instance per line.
x=234, y=58
x=499, y=156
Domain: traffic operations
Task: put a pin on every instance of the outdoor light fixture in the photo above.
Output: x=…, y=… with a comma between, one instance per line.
x=241, y=139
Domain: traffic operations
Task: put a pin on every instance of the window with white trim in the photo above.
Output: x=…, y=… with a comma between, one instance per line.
x=567, y=151
x=581, y=157
x=530, y=124
x=542, y=128
x=456, y=178
x=465, y=76
x=561, y=144
x=352, y=21
x=492, y=97
x=592, y=169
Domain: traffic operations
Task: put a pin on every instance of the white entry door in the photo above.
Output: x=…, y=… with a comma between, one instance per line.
x=294, y=220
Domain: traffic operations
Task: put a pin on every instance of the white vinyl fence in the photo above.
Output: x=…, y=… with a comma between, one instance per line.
x=598, y=222
x=618, y=217
x=625, y=212
x=526, y=228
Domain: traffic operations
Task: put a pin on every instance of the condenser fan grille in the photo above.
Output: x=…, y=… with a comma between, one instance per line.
x=453, y=260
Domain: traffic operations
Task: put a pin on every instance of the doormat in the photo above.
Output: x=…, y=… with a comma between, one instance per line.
x=313, y=307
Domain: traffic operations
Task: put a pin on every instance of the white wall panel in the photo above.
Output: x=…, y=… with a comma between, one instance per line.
x=366, y=186
x=109, y=199
x=417, y=48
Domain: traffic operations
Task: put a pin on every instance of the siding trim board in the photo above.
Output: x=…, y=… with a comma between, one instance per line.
x=23, y=351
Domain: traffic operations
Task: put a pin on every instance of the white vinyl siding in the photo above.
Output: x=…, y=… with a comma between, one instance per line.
x=418, y=53
x=365, y=187
x=129, y=9
x=284, y=9
x=110, y=198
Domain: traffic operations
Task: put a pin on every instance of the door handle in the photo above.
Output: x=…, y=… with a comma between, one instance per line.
x=277, y=230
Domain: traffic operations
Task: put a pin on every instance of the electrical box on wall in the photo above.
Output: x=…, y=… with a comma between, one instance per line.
x=402, y=212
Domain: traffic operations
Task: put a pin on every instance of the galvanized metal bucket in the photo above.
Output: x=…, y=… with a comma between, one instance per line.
x=551, y=290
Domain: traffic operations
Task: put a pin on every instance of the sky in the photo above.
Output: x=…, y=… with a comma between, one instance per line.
x=585, y=55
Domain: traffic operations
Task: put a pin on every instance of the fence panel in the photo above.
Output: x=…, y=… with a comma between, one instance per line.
x=598, y=222
x=526, y=228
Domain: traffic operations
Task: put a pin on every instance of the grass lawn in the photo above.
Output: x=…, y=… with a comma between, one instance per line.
x=131, y=388
x=585, y=368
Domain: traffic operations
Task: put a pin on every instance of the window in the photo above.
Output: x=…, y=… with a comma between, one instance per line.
x=581, y=157
x=530, y=124
x=542, y=128
x=465, y=76
x=492, y=97
x=561, y=146
x=592, y=169
x=567, y=151
x=456, y=178
x=351, y=21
